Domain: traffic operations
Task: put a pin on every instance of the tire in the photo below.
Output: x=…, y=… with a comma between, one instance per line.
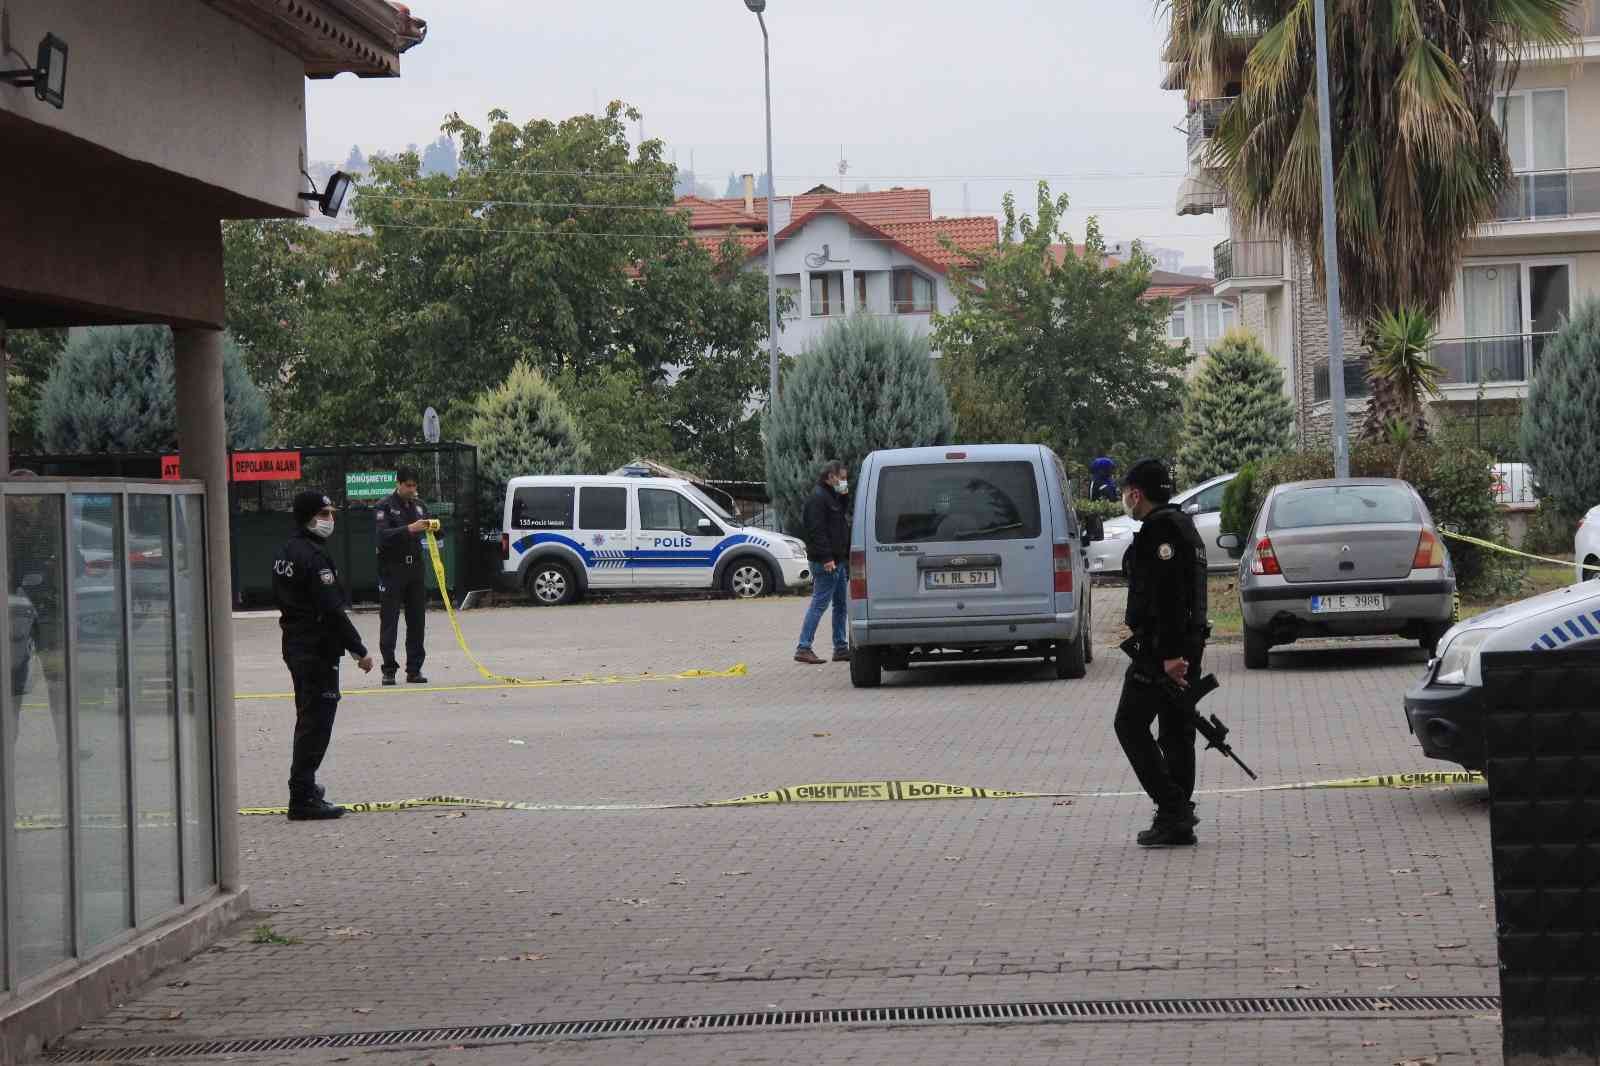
x=1071, y=656
x=1088, y=629
x=1255, y=649
x=551, y=584
x=896, y=661
x=748, y=579
x=866, y=667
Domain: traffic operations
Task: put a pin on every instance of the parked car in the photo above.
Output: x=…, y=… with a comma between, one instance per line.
x=1586, y=546
x=564, y=535
x=1445, y=710
x=1342, y=558
x=966, y=552
x=1202, y=502
x=22, y=642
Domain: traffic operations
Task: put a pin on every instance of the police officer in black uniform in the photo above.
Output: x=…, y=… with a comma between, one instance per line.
x=401, y=521
x=1167, y=612
x=316, y=634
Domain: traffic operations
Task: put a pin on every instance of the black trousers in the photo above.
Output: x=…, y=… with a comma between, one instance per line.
x=316, y=702
x=403, y=591
x=1164, y=764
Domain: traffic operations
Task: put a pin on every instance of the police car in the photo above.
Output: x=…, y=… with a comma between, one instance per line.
x=564, y=535
x=1445, y=710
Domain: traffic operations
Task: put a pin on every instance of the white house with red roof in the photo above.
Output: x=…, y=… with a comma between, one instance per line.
x=876, y=253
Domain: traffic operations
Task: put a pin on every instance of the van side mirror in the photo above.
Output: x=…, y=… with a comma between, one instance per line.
x=705, y=526
x=1191, y=508
x=1085, y=536
x=1231, y=543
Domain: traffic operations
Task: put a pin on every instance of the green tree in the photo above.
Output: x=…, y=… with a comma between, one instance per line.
x=623, y=416
x=1401, y=375
x=30, y=355
x=522, y=427
x=1561, y=419
x=1067, y=353
x=1236, y=413
x=112, y=390
x=866, y=384
x=1419, y=160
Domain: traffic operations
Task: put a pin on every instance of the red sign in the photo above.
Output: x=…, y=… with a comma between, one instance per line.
x=247, y=466
x=266, y=466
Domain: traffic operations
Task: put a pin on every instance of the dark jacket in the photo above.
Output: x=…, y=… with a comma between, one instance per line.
x=827, y=526
x=1167, y=585
x=312, y=602
x=1104, y=489
x=399, y=550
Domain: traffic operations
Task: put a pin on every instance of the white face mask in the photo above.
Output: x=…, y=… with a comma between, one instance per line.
x=323, y=527
x=1126, y=506
x=843, y=486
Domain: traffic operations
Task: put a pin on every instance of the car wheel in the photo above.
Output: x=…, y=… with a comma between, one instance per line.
x=866, y=667
x=1255, y=649
x=1088, y=629
x=1070, y=656
x=896, y=659
x=551, y=584
x=747, y=579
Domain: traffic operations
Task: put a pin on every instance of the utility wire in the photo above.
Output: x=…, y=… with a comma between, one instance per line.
x=667, y=236
x=466, y=201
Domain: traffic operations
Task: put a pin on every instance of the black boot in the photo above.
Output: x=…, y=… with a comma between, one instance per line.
x=1174, y=830
x=416, y=679
x=388, y=678
x=312, y=807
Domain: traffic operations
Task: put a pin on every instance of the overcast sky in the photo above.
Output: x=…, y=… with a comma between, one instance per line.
x=967, y=99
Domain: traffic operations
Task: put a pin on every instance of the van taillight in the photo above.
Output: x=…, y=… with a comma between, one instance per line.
x=1061, y=556
x=505, y=546
x=1430, y=553
x=858, y=575
x=1265, y=560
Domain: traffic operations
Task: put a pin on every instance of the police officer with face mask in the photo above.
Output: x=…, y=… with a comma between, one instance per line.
x=402, y=518
x=1166, y=569
x=316, y=634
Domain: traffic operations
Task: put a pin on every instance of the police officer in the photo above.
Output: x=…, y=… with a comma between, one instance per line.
x=1102, y=486
x=1167, y=614
x=316, y=634
x=401, y=521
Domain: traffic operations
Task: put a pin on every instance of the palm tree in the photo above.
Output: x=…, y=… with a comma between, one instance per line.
x=1419, y=161
x=1401, y=376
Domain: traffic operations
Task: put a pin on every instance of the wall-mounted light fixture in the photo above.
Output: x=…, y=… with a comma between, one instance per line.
x=48, y=76
x=331, y=199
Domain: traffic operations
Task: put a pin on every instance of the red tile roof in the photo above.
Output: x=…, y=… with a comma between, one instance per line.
x=925, y=239
x=874, y=208
x=708, y=214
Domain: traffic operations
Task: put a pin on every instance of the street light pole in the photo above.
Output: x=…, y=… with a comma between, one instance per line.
x=758, y=6
x=1330, y=254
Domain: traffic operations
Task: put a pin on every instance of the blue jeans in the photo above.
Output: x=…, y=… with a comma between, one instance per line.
x=826, y=588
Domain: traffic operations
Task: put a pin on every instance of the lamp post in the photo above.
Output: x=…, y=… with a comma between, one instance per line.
x=758, y=6
x=1330, y=254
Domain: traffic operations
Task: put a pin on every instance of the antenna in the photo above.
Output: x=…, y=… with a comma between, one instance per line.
x=844, y=164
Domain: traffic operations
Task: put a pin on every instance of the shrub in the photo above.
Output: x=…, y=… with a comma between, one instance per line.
x=522, y=427
x=1236, y=412
x=866, y=384
x=1237, y=510
x=1561, y=419
x=1551, y=532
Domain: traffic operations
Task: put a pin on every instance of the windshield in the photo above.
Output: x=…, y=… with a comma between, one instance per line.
x=711, y=505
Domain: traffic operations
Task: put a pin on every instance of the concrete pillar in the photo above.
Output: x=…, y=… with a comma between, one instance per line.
x=850, y=291
x=203, y=444
x=805, y=293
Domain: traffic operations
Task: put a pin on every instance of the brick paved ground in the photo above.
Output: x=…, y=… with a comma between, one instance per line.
x=432, y=918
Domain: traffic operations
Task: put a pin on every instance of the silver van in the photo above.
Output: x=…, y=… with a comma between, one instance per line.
x=966, y=552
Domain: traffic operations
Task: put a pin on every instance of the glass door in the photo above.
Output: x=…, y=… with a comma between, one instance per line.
x=1535, y=127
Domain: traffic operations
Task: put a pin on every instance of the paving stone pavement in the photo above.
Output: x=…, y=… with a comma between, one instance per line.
x=426, y=918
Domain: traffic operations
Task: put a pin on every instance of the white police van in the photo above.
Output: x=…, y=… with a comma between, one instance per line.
x=1445, y=709
x=563, y=535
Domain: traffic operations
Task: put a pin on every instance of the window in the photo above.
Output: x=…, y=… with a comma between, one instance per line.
x=1509, y=309
x=861, y=292
x=542, y=507
x=1178, y=328
x=1342, y=505
x=820, y=306
x=957, y=501
x=1212, y=318
x=663, y=510
x=1207, y=501
x=1534, y=124
x=913, y=293
x=602, y=508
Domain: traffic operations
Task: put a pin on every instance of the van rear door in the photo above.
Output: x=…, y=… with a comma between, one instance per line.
x=959, y=539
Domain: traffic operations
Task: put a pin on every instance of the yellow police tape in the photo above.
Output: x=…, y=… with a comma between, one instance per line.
x=885, y=791
x=1492, y=546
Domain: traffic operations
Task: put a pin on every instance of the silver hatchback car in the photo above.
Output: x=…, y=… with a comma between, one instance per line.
x=1349, y=557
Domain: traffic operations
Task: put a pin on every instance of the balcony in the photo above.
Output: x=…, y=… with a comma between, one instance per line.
x=1203, y=121
x=1551, y=195
x=1498, y=364
x=1247, y=265
x=1355, y=380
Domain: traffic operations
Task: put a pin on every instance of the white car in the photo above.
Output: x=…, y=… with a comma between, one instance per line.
x=1586, y=546
x=1203, y=503
x=1445, y=710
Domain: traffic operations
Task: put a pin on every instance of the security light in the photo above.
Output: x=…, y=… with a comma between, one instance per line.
x=48, y=76
x=758, y=6
x=331, y=199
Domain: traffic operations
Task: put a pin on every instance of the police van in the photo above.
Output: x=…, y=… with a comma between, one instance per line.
x=564, y=535
x=1445, y=709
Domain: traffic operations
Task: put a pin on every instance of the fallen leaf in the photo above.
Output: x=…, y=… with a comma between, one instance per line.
x=174, y=1015
x=1410, y=976
x=1450, y=945
x=736, y=873
x=452, y=814
x=349, y=932
x=178, y=984
x=1443, y=892
x=1299, y=985
x=528, y=956
x=1403, y=870
x=1369, y=1043
x=1426, y=1060
x=1383, y=1004
x=518, y=891
x=822, y=734
x=514, y=740
x=1300, y=855
x=1062, y=803
x=1279, y=969
x=1412, y=914
x=1369, y=965
x=954, y=858
x=1387, y=988
x=677, y=881
x=363, y=1010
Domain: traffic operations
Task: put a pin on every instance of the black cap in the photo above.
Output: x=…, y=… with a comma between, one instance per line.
x=307, y=504
x=1150, y=476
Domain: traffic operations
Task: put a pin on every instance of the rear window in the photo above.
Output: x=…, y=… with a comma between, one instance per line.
x=1342, y=505
x=957, y=501
x=542, y=507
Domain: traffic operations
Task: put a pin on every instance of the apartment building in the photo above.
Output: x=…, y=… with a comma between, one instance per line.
x=1519, y=279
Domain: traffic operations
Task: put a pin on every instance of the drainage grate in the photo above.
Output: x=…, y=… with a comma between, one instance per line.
x=963, y=1013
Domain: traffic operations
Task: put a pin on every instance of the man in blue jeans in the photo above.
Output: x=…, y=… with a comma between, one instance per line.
x=827, y=535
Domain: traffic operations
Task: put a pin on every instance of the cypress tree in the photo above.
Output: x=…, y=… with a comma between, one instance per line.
x=1236, y=412
x=1561, y=417
x=866, y=384
x=522, y=427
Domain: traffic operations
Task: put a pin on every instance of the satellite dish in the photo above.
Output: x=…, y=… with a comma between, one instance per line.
x=430, y=426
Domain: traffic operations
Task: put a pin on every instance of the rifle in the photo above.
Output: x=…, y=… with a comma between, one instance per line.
x=1211, y=728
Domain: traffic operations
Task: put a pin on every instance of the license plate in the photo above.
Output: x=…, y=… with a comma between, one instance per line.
x=962, y=579
x=1346, y=602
